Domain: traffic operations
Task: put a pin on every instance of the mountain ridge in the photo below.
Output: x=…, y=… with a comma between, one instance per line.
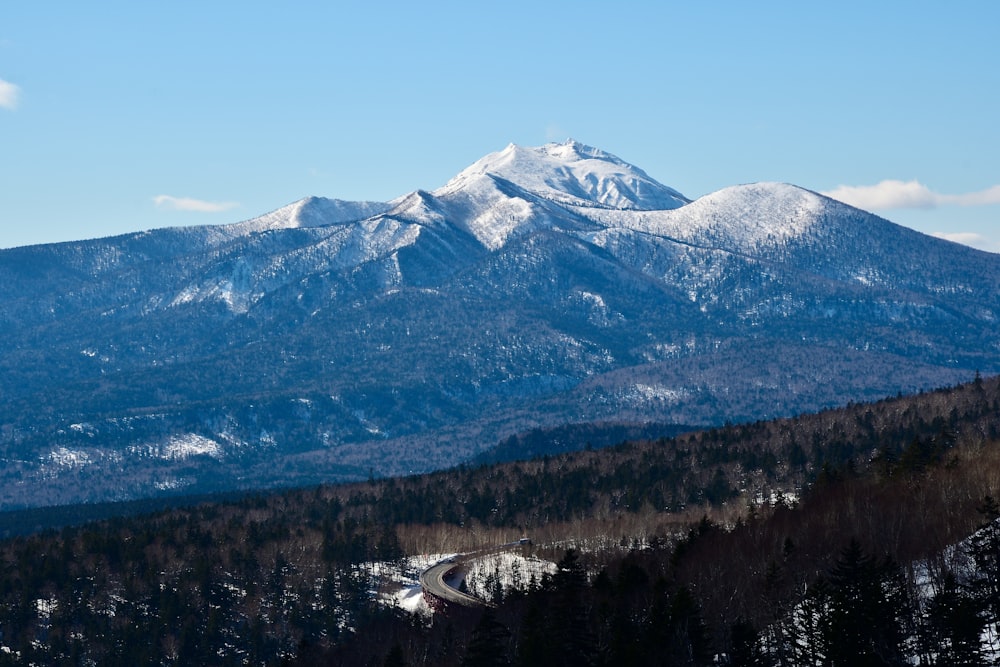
x=327, y=339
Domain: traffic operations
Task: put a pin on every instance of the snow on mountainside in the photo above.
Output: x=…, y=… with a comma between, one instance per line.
x=540, y=286
x=520, y=190
x=487, y=207
x=742, y=219
x=313, y=212
x=515, y=190
x=257, y=268
x=571, y=186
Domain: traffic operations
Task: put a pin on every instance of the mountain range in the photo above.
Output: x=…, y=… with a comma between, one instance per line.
x=332, y=340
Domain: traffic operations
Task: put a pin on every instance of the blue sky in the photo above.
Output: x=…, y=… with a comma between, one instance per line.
x=122, y=116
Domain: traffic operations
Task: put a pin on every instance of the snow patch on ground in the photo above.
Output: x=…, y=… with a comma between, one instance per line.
x=498, y=574
x=649, y=393
x=598, y=312
x=407, y=593
x=237, y=299
x=596, y=299
x=172, y=483
x=191, y=444
x=46, y=607
x=69, y=458
x=662, y=351
x=179, y=448
x=776, y=497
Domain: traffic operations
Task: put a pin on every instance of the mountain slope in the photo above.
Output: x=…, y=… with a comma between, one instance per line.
x=540, y=286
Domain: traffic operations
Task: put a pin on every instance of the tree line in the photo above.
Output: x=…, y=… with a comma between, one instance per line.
x=742, y=541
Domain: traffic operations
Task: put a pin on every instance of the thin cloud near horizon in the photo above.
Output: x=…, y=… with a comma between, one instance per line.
x=965, y=238
x=895, y=194
x=190, y=204
x=9, y=95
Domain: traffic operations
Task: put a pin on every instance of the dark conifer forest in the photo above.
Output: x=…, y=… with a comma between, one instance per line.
x=866, y=535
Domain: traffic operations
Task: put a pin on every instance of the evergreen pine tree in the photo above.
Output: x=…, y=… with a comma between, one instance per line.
x=571, y=632
x=536, y=647
x=744, y=648
x=690, y=641
x=984, y=548
x=955, y=623
x=489, y=644
x=677, y=634
x=395, y=657
x=808, y=640
x=867, y=605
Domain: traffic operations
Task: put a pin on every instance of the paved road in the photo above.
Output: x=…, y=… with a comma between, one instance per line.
x=432, y=580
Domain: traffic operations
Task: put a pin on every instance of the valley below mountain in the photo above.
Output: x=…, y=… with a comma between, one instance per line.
x=749, y=544
x=331, y=340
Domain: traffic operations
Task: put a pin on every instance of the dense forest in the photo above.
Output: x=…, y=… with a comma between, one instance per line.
x=865, y=535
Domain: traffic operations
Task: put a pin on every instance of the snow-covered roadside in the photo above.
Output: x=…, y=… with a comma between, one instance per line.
x=405, y=591
x=495, y=575
x=486, y=577
x=957, y=560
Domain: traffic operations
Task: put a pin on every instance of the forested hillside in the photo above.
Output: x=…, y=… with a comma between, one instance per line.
x=743, y=542
x=540, y=287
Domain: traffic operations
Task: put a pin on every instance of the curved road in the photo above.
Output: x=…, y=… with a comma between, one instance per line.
x=432, y=581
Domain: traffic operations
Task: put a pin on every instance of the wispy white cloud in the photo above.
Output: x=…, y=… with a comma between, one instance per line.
x=967, y=238
x=9, y=94
x=554, y=132
x=970, y=239
x=893, y=194
x=189, y=204
x=982, y=198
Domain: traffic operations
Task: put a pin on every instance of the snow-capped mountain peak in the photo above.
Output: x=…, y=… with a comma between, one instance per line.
x=571, y=173
x=501, y=195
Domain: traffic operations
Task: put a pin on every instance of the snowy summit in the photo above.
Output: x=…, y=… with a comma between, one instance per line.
x=520, y=190
x=516, y=190
x=571, y=173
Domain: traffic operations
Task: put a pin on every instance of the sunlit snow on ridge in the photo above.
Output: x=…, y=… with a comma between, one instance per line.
x=190, y=444
x=521, y=189
x=69, y=458
x=180, y=447
x=737, y=219
x=572, y=173
x=646, y=393
x=564, y=186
